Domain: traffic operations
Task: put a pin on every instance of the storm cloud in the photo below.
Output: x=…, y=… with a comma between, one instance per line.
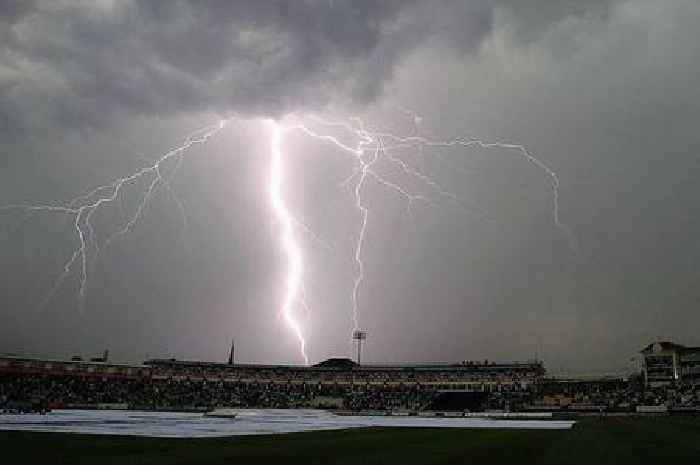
x=603, y=92
x=78, y=63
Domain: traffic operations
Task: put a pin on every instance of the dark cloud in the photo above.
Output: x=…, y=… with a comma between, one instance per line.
x=530, y=20
x=78, y=63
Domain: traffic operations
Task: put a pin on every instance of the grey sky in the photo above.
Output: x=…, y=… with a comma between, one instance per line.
x=605, y=93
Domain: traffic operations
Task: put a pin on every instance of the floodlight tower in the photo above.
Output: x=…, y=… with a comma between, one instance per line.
x=358, y=336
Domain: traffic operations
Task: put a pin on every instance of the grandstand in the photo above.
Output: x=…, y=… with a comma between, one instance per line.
x=464, y=376
x=342, y=384
x=195, y=385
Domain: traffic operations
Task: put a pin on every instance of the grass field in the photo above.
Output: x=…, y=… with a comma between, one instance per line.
x=662, y=440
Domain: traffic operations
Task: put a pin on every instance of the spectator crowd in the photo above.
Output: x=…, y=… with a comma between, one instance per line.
x=60, y=391
x=42, y=385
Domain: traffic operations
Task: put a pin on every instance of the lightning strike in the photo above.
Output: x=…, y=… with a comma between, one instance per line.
x=293, y=286
x=83, y=207
x=364, y=213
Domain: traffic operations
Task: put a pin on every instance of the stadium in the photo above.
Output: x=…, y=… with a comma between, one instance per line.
x=666, y=382
x=366, y=410
x=342, y=384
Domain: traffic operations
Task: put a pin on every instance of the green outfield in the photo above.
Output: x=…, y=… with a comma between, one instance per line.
x=662, y=440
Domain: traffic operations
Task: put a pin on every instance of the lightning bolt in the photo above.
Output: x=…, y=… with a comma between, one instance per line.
x=421, y=142
x=293, y=286
x=83, y=208
x=364, y=213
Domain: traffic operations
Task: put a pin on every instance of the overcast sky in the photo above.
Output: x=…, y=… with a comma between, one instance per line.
x=605, y=93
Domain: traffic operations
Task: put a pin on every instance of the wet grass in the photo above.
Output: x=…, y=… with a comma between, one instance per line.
x=593, y=441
